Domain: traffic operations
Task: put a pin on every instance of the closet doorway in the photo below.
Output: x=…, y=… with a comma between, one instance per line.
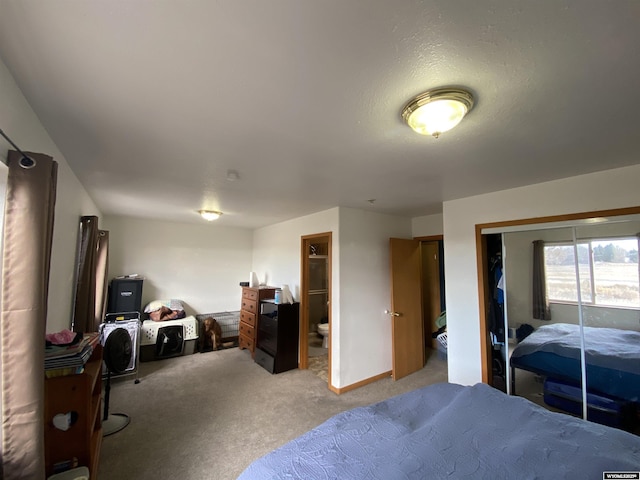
x=433, y=289
x=315, y=304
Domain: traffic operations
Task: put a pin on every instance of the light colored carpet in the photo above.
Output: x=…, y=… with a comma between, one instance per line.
x=207, y=416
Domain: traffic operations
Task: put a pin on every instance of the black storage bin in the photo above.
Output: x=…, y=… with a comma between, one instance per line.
x=600, y=409
x=125, y=295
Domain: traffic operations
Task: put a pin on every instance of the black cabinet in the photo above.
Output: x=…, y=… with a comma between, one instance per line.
x=277, y=336
x=125, y=295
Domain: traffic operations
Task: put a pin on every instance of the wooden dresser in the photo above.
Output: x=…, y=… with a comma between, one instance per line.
x=249, y=313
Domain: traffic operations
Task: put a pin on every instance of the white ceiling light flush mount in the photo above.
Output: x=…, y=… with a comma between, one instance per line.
x=209, y=215
x=437, y=111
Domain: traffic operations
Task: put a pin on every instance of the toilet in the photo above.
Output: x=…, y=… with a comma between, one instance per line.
x=323, y=329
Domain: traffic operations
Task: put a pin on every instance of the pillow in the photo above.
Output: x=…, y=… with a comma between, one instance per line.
x=153, y=306
x=173, y=304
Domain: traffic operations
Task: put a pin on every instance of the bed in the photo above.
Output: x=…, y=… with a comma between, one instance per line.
x=612, y=358
x=451, y=431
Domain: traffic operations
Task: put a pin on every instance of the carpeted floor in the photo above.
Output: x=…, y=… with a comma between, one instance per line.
x=208, y=415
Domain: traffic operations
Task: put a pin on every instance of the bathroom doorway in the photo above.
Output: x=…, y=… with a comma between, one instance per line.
x=315, y=308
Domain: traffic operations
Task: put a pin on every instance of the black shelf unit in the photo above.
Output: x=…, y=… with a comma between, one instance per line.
x=277, y=337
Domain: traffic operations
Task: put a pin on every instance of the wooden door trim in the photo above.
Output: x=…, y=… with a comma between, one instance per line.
x=483, y=274
x=305, y=242
x=430, y=238
x=483, y=292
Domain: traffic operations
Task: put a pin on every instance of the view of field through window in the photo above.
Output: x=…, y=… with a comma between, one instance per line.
x=608, y=269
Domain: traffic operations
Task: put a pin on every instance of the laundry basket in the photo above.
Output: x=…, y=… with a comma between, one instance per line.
x=442, y=345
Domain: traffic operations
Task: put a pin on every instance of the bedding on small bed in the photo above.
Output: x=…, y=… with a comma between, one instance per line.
x=451, y=431
x=163, y=310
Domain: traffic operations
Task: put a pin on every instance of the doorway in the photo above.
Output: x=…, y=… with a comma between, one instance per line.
x=418, y=317
x=315, y=305
x=433, y=292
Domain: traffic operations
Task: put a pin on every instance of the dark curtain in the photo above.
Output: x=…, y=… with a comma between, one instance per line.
x=85, y=302
x=26, y=254
x=102, y=262
x=541, y=309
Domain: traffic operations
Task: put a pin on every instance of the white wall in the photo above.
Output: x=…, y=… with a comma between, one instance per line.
x=365, y=279
x=21, y=124
x=361, y=341
x=202, y=265
x=276, y=261
x=276, y=249
x=427, y=225
x=617, y=188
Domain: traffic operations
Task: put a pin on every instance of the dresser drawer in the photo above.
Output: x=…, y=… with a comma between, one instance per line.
x=269, y=325
x=265, y=360
x=249, y=305
x=246, y=342
x=249, y=294
x=248, y=318
x=246, y=329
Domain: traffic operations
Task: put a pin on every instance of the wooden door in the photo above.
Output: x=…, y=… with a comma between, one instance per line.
x=406, y=307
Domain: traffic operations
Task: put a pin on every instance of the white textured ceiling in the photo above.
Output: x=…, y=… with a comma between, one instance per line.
x=151, y=102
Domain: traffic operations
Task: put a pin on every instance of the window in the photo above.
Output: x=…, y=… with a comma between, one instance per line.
x=608, y=272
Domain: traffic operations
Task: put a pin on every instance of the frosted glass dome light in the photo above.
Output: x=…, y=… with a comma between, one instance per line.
x=209, y=215
x=437, y=111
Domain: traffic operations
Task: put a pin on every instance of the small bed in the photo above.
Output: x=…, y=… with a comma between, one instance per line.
x=451, y=431
x=612, y=358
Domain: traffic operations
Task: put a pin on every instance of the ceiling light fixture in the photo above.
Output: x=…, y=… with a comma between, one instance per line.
x=209, y=215
x=437, y=111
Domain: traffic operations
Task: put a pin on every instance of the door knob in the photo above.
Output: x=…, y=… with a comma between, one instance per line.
x=393, y=314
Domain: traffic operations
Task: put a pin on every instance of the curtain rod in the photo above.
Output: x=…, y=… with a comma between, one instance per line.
x=26, y=161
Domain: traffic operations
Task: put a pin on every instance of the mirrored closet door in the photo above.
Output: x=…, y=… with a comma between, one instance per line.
x=571, y=313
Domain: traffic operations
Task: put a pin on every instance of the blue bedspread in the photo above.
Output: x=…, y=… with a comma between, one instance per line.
x=610, y=348
x=451, y=431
